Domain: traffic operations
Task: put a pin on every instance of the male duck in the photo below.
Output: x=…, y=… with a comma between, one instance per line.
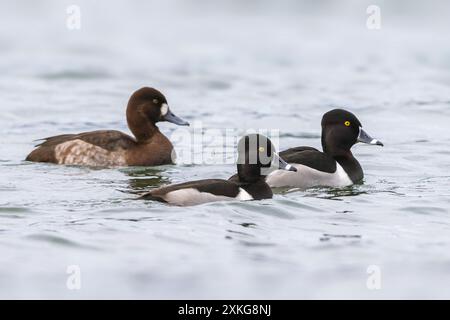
x=335, y=166
x=255, y=156
x=114, y=148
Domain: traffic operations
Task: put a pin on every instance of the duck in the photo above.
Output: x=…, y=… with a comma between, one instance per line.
x=111, y=148
x=256, y=155
x=335, y=166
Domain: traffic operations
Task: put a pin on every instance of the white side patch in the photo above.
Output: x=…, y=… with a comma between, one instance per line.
x=192, y=197
x=307, y=177
x=78, y=152
x=164, y=109
x=243, y=195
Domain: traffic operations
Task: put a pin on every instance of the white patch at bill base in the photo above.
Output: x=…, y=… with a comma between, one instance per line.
x=79, y=152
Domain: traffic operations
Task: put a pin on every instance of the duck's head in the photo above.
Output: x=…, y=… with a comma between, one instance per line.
x=148, y=106
x=256, y=155
x=341, y=129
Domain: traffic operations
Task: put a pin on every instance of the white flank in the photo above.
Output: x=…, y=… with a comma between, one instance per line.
x=78, y=152
x=192, y=197
x=307, y=177
x=164, y=109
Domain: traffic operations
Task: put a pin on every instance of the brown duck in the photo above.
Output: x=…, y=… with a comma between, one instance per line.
x=148, y=147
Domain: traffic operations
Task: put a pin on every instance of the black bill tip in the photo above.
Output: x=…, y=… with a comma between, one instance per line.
x=365, y=138
x=283, y=165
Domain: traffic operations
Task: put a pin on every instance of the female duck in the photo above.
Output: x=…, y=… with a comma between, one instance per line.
x=255, y=156
x=335, y=166
x=114, y=148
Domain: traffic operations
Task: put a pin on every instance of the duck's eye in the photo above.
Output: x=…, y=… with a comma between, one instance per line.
x=155, y=101
x=261, y=149
x=347, y=123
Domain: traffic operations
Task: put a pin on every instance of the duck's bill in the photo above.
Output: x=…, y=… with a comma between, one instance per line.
x=283, y=164
x=365, y=138
x=170, y=117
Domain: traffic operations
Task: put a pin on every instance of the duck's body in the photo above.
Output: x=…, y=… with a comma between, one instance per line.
x=109, y=148
x=335, y=166
x=106, y=148
x=248, y=184
x=209, y=190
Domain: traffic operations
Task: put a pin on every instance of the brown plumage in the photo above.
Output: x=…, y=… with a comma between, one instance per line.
x=149, y=147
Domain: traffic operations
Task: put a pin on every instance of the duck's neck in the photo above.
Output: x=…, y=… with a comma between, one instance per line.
x=258, y=190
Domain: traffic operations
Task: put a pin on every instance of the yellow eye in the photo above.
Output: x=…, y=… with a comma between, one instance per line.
x=261, y=149
x=347, y=123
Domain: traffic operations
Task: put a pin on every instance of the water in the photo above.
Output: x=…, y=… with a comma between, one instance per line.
x=239, y=66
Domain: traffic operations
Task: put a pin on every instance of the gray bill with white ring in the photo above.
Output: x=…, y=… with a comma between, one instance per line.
x=365, y=138
x=283, y=164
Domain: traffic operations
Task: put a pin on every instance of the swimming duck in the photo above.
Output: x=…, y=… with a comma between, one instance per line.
x=335, y=166
x=148, y=147
x=256, y=153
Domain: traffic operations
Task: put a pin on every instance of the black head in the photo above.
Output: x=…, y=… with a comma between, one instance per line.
x=341, y=130
x=256, y=153
x=146, y=107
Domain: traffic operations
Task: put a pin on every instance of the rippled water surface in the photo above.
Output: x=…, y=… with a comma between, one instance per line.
x=229, y=67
